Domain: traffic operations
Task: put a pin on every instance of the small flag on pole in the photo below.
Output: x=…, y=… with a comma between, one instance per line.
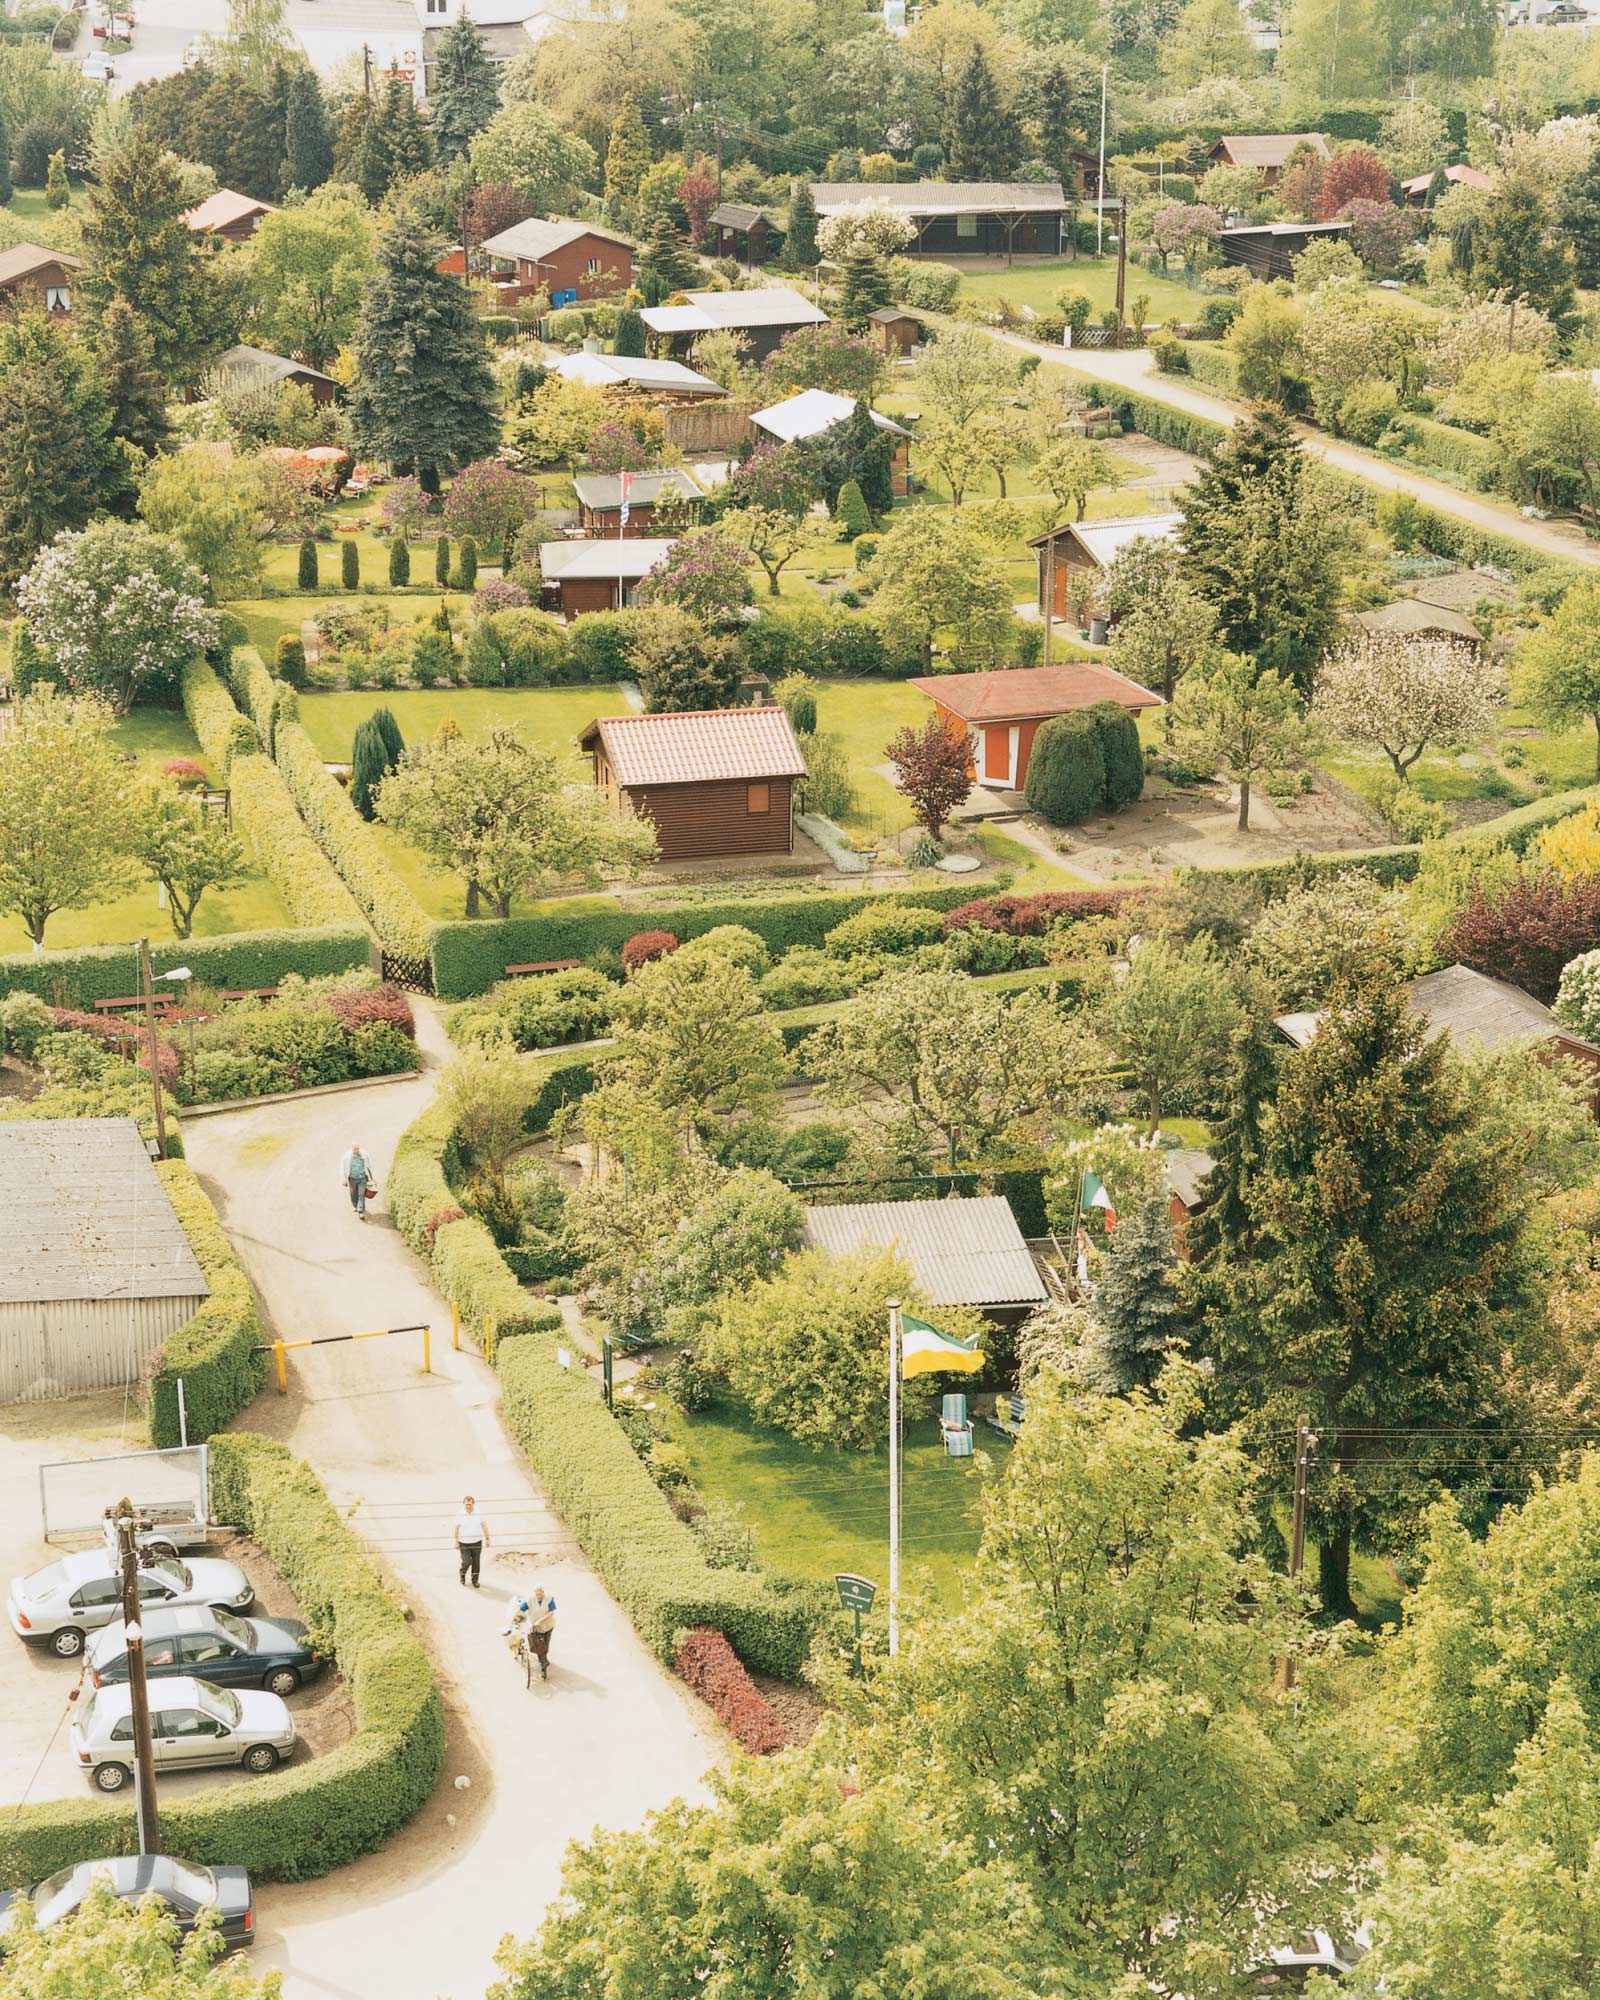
x=924, y=1350
x=625, y=487
x=1095, y=1196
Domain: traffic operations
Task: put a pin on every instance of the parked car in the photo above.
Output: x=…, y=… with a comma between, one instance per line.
x=185, y=1888
x=64, y=1602
x=192, y=1723
x=1288, y=1968
x=98, y=69
x=256, y=1652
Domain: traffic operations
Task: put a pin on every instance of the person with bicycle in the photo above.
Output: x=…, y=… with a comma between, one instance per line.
x=541, y=1624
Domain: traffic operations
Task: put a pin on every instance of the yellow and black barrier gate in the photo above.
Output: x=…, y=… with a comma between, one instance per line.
x=279, y=1348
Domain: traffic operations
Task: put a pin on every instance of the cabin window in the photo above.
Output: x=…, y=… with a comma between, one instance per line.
x=758, y=798
x=57, y=299
x=594, y=267
x=966, y=225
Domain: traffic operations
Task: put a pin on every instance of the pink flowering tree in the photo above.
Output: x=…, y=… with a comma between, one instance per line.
x=1182, y=228
x=118, y=609
x=406, y=507
x=826, y=357
x=618, y=447
x=774, y=478
x=486, y=498
x=1378, y=231
x=704, y=574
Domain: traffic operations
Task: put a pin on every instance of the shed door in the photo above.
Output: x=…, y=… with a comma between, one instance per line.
x=997, y=753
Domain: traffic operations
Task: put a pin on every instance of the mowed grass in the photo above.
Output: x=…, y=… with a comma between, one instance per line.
x=1036, y=285
x=816, y=1513
x=550, y=717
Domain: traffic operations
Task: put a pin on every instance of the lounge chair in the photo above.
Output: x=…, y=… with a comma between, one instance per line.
x=955, y=1427
x=1006, y=1416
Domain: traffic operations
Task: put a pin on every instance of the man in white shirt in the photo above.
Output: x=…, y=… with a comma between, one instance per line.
x=472, y=1538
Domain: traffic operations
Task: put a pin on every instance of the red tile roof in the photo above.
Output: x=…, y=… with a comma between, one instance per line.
x=226, y=207
x=1028, y=694
x=706, y=745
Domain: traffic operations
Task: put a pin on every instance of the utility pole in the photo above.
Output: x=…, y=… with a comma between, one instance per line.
x=144, y=1769
x=155, y=1048
x=1049, y=595
x=1100, y=190
x=1297, y=1531
x=894, y=1477
x=1122, y=259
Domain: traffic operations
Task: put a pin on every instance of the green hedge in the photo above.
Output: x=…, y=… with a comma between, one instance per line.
x=1448, y=448
x=469, y=958
x=647, y=1557
x=1212, y=363
x=223, y=733
x=318, y=1814
x=267, y=702
x=246, y=958
x=352, y=846
x=214, y=1353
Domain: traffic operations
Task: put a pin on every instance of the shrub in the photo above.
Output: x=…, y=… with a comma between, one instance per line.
x=646, y=945
x=1578, y=997
x=1121, y=751
x=572, y=1006
x=1171, y=356
x=500, y=595
x=466, y=575
x=1528, y=929
x=806, y=977
x=886, y=926
x=1066, y=770
x=214, y=1352
x=350, y=565
x=441, y=561
x=852, y=515
x=24, y=1022
x=597, y=646
x=709, y=1666
x=865, y=549
x=736, y=945
x=290, y=659
x=308, y=564
x=1034, y=916
x=246, y=958
x=433, y=658
x=1364, y=412
x=357, y=1007
x=399, y=563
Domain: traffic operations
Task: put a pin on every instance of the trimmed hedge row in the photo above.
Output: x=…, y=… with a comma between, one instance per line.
x=223, y=733
x=266, y=701
x=469, y=958
x=648, y=1558
x=1449, y=449
x=213, y=1353
x=246, y=958
x=352, y=846
x=1212, y=363
x=310, y=1817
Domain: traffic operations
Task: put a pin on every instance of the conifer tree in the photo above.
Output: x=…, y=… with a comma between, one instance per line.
x=138, y=247
x=1254, y=1051
x=1518, y=253
x=663, y=256
x=350, y=565
x=46, y=483
x=424, y=395
x=399, y=562
x=441, y=561
x=394, y=744
x=135, y=395
x=1138, y=1316
x=863, y=286
x=627, y=157
x=307, y=576
x=6, y=188
x=982, y=139
x=369, y=766
x=801, y=243
x=308, y=145
x=396, y=144
x=1580, y=219
x=467, y=564
x=464, y=94
x=57, y=191
x=351, y=142
x=629, y=337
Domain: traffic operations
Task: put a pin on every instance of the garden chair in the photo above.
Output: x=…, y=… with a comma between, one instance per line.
x=955, y=1427
x=1006, y=1416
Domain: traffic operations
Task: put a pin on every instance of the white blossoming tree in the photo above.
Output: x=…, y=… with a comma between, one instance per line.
x=1401, y=693
x=117, y=609
x=866, y=225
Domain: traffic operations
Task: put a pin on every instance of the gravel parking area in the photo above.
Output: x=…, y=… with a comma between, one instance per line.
x=36, y=1760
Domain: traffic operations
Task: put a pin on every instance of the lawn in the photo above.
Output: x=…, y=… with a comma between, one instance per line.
x=266, y=619
x=1036, y=285
x=548, y=716
x=815, y=1513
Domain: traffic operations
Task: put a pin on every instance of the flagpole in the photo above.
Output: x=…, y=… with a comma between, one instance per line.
x=894, y=1477
x=1077, y=1222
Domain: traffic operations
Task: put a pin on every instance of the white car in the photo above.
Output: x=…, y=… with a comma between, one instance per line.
x=192, y=1723
x=1289, y=1967
x=60, y=1605
x=99, y=69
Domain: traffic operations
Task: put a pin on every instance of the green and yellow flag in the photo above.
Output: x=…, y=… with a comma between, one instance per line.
x=924, y=1350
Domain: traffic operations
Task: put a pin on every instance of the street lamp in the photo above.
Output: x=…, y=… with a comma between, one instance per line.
x=180, y=972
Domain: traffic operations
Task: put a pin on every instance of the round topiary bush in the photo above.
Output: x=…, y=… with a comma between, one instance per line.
x=1122, y=751
x=646, y=945
x=1066, y=770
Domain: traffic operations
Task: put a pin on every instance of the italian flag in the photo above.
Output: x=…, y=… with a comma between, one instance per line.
x=924, y=1350
x=1095, y=1196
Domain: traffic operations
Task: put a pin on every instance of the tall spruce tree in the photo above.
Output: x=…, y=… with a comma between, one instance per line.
x=424, y=394
x=1139, y=1317
x=396, y=144
x=138, y=247
x=863, y=285
x=350, y=143
x=308, y=146
x=464, y=94
x=6, y=189
x=57, y=465
x=1579, y=215
x=801, y=242
x=135, y=394
x=663, y=256
x=1255, y=1050
x=982, y=139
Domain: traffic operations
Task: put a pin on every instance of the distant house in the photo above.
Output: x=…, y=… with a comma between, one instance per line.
x=966, y=218
x=742, y=231
x=98, y=1270
x=1089, y=548
x=893, y=329
x=810, y=412
x=765, y=316
x=712, y=782
x=28, y=270
x=229, y=216
x=570, y=260
x=1267, y=250
x=962, y=1251
x=599, y=496
x=597, y=575
x=656, y=381
x=998, y=714
x=1416, y=189
x=1268, y=152
x=1411, y=616
x=256, y=364
x=1186, y=1170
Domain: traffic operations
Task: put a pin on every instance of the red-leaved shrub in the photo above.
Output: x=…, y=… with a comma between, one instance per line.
x=714, y=1671
x=120, y=1035
x=1032, y=916
x=1525, y=930
x=439, y=1218
x=646, y=945
x=360, y=1006
x=185, y=770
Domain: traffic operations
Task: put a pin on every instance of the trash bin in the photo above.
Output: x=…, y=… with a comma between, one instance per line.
x=1097, y=631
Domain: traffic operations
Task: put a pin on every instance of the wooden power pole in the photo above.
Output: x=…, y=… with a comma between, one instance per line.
x=1297, y=1531
x=144, y=1768
x=1122, y=260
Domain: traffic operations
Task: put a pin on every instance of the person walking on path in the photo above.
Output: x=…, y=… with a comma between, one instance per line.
x=355, y=1173
x=541, y=1623
x=472, y=1538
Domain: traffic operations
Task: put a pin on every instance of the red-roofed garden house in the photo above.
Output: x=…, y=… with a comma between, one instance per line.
x=999, y=714
x=713, y=781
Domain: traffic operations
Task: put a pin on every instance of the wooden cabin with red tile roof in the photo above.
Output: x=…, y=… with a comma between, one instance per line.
x=715, y=781
x=998, y=714
x=230, y=216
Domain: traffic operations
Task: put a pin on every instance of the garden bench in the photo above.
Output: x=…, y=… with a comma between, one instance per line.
x=543, y=965
x=250, y=993
x=163, y=1003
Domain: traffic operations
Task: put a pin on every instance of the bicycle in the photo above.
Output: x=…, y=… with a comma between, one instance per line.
x=524, y=1653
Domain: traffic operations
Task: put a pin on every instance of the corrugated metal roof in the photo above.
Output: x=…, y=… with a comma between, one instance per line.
x=1104, y=541
x=537, y=237
x=602, y=559
x=706, y=745
x=1410, y=614
x=1024, y=694
x=967, y=1251
x=810, y=412
x=942, y=197
x=87, y=1216
x=261, y=361
x=605, y=369
x=737, y=215
x=766, y=305
x=604, y=489
x=1483, y=1012
x=1187, y=1170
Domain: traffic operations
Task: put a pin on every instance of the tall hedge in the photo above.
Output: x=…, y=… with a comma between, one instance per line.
x=1121, y=751
x=265, y=700
x=214, y=1352
x=1066, y=770
x=316, y=1814
x=77, y=978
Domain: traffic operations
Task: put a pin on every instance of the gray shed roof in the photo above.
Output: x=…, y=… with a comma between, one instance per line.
x=244, y=360
x=1187, y=1169
x=942, y=197
x=1485, y=1013
x=604, y=489
x=967, y=1251
x=87, y=1216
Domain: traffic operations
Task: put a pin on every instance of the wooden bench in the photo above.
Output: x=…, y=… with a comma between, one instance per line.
x=543, y=965
x=163, y=1003
x=250, y=993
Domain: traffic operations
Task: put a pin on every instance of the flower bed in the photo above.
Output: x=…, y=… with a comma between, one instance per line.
x=315, y=1032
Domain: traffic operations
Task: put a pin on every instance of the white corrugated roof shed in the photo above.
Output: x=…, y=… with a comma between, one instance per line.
x=602, y=559
x=644, y=373
x=765, y=305
x=1105, y=540
x=87, y=1216
x=967, y=1251
x=810, y=412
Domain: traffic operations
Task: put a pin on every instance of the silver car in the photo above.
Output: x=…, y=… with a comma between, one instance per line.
x=192, y=1723
x=60, y=1605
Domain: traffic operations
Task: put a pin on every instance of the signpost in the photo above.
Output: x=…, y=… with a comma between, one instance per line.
x=855, y=1594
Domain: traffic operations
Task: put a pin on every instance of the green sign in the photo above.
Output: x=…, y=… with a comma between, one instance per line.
x=855, y=1593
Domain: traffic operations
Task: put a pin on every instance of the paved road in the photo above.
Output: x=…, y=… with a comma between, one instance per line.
x=612, y=1735
x=1134, y=368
